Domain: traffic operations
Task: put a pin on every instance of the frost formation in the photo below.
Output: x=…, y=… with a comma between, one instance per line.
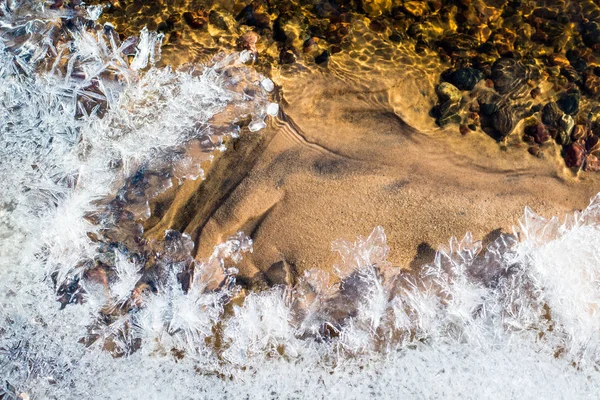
x=88, y=313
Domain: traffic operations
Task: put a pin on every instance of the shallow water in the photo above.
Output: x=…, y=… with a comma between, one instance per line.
x=195, y=232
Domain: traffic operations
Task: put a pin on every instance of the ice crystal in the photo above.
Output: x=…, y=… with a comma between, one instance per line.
x=91, y=309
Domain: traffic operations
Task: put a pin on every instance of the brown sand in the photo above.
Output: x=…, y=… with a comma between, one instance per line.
x=355, y=148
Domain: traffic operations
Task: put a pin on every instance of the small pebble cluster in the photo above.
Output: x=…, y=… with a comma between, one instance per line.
x=528, y=68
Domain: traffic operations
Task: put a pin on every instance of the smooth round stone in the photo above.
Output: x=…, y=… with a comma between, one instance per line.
x=465, y=78
x=267, y=84
x=447, y=91
x=508, y=74
x=257, y=125
x=569, y=102
x=551, y=114
x=246, y=56
x=273, y=109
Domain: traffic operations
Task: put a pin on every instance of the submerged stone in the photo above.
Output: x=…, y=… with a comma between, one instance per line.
x=592, y=145
x=464, y=78
x=217, y=20
x=322, y=58
x=591, y=34
x=446, y=91
x=448, y=113
x=569, y=102
x=551, y=114
x=286, y=57
x=567, y=123
x=196, y=20
x=574, y=155
x=538, y=133
x=251, y=17
x=508, y=75
x=459, y=42
x=503, y=121
x=489, y=109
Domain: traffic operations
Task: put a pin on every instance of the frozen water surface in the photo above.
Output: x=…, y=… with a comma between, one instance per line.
x=80, y=121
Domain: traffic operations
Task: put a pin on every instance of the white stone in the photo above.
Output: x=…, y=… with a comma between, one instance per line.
x=267, y=84
x=257, y=125
x=273, y=109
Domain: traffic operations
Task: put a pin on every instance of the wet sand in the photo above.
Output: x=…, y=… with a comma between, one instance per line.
x=354, y=147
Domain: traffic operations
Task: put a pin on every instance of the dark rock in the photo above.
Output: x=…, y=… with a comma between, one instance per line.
x=377, y=25
x=246, y=14
x=579, y=64
x=261, y=20
x=592, y=145
x=574, y=155
x=163, y=27
x=508, y=75
x=134, y=8
x=464, y=78
x=459, y=42
x=217, y=20
x=395, y=37
x=569, y=102
x=489, y=109
x=535, y=108
x=196, y=20
x=286, y=57
x=173, y=19
x=544, y=13
x=168, y=24
x=447, y=113
x=174, y=37
x=553, y=31
x=278, y=31
x=536, y=151
x=322, y=58
x=538, y=133
x=56, y=4
x=571, y=75
x=528, y=139
x=280, y=273
x=249, y=16
x=328, y=10
x=551, y=114
x=591, y=34
x=310, y=44
x=503, y=121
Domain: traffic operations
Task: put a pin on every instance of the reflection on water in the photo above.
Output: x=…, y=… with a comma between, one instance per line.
x=525, y=72
x=187, y=262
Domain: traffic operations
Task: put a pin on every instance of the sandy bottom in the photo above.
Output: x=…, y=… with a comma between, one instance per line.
x=353, y=148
